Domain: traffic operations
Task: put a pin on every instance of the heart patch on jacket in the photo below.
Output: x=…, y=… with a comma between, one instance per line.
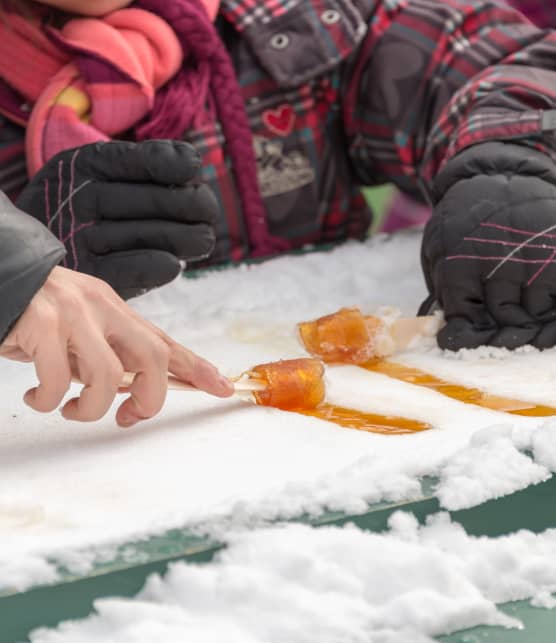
x=280, y=121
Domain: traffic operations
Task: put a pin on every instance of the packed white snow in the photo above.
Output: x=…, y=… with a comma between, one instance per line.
x=301, y=584
x=65, y=487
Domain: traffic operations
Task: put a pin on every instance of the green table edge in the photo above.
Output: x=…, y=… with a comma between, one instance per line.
x=531, y=508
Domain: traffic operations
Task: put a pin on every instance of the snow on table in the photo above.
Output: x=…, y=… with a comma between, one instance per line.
x=300, y=584
x=65, y=487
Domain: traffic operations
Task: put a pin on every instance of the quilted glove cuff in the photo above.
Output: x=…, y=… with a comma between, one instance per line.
x=490, y=159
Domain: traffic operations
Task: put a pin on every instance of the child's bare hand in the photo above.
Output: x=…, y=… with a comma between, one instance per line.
x=76, y=326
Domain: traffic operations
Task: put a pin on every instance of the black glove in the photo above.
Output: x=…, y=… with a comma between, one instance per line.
x=489, y=250
x=126, y=212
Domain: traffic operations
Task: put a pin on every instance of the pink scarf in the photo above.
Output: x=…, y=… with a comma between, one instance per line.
x=91, y=80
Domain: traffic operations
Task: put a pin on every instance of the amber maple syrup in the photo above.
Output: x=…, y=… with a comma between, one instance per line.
x=297, y=386
x=293, y=383
x=354, y=419
x=457, y=392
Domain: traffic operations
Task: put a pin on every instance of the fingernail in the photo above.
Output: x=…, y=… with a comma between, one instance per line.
x=29, y=396
x=128, y=420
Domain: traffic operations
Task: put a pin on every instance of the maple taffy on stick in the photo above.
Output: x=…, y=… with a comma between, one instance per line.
x=349, y=337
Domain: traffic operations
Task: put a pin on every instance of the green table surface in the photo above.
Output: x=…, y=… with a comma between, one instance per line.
x=539, y=626
x=532, y=508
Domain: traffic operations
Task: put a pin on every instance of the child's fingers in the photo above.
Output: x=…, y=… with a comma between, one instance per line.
x=186, y=241
x=504, y=302
x=546, y=337
x=148, y=202
x=163, y=162
x=513, y=337
x=460, y=332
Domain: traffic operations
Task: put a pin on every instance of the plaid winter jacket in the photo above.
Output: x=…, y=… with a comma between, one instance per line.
x=345, y=93
x=541, y=12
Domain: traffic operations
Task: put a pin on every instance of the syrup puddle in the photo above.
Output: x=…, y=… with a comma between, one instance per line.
x=354, y=419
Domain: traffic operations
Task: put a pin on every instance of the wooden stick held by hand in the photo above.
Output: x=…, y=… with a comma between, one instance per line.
x=286, y=384
x=175, y=384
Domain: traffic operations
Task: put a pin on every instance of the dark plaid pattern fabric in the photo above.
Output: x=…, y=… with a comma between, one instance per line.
x=345, y=93
x=245, y=14
x=13, y=174
x=437, y=77
x=541, y=12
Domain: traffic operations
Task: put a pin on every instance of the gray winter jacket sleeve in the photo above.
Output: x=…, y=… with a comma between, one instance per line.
x=28, y=252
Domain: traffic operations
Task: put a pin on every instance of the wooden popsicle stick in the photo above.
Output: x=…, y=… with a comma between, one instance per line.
x=175, y=384
x=403, y=331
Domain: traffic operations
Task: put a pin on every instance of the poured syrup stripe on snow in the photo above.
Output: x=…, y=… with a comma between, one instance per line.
x=457, y=392
x=354, y=419
x=297, y=385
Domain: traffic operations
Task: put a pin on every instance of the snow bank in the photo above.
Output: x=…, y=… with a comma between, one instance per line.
x=497, y=461
x=300, y=584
